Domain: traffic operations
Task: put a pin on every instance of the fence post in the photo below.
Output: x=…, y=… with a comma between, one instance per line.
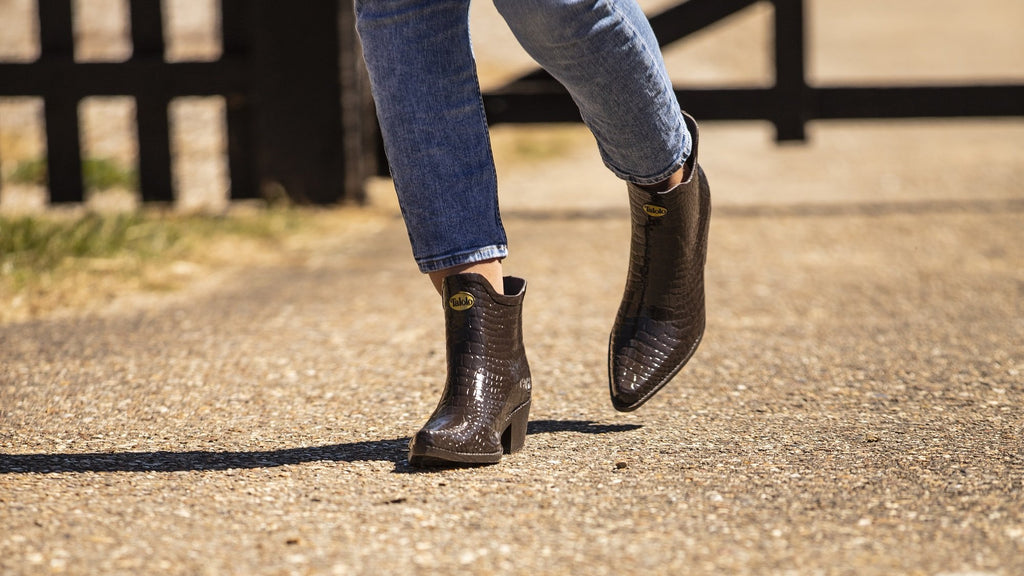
x=358, y=115
x=151, y=102
x=234, y=25
x=63, y=148
x=295, y=95
x=792, y=96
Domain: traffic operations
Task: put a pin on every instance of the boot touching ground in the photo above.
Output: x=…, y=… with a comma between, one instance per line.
x=485, y=405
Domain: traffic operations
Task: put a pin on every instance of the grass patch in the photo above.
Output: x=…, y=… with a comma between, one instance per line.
x=34, y=245
x=97, y=174
x=54, y=262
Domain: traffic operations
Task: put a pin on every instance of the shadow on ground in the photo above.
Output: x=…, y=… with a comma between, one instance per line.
x=389, y=450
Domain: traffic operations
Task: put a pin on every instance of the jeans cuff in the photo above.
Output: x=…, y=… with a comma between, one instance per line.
x=661, y=175
x=433, y=264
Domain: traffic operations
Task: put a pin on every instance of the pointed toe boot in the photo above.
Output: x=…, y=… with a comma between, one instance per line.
x=485, y=406
x=661, y=319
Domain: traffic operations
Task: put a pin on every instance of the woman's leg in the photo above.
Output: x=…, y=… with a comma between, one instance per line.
x=605, y=54
x=423, y=78
x=431, y=114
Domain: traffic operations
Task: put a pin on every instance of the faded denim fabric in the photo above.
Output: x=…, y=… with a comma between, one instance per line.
x=424, y=82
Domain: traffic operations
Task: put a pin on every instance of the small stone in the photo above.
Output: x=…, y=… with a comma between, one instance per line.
x=871, y=437
x=620, y=465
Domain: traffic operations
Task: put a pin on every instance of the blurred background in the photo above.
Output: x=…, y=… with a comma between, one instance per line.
x=869, y=42
x=108, y=131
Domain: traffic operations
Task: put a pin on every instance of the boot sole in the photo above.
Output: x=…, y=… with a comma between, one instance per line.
x=513, y=437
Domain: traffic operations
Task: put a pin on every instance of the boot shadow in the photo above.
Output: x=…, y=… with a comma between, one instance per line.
x=534, y=427
x=581, y=426
x=201, y=460
x=385, y=450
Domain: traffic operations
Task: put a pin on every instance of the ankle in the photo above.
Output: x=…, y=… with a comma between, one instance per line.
x=491, y=270
x=677, y=178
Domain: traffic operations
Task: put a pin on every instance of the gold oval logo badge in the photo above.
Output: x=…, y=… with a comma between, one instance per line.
x=461, y=301
x=655, y=211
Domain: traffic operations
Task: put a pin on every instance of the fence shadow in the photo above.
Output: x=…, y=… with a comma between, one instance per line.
x=386, y=450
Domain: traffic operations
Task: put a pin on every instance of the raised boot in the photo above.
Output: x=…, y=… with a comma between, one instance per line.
x=661, y=319
x=485, y=405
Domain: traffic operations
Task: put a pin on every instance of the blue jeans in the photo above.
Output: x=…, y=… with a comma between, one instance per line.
x=424, y=82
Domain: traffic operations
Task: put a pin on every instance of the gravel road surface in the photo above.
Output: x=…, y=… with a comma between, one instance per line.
x=856, y=407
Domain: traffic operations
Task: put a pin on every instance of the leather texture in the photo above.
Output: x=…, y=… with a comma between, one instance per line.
x=485, y=406
x=661, y=319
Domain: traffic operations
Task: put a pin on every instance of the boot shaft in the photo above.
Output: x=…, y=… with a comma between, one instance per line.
x=481, y=321
x=484, y=335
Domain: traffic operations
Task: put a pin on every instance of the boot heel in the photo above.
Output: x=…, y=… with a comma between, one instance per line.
x=514, y=436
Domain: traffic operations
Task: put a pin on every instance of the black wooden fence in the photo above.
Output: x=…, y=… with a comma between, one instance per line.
x=789, y=104
x=281, y=74
x=298, y=113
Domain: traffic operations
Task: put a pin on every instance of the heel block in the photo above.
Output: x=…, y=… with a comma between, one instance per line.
x=514, y=436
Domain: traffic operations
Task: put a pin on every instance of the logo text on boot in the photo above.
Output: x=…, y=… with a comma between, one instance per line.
x=461, y=301
x=655, y=211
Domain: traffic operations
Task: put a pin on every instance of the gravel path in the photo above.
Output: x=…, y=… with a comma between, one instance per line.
x=855, y=408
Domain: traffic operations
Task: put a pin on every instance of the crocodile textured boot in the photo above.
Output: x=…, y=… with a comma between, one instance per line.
x=661, y=319
x=485, y=405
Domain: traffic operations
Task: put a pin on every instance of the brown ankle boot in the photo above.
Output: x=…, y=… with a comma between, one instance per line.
x=661, y=319
x=485, y=405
